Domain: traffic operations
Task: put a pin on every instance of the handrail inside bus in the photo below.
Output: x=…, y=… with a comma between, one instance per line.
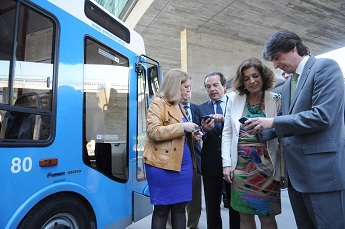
x=154, y=73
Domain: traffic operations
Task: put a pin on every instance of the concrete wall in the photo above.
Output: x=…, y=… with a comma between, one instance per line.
x=202, y=53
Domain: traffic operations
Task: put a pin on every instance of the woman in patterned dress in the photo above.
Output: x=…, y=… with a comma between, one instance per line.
x=252, y=167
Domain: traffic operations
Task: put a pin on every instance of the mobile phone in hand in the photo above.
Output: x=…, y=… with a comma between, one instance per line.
x=205, y=117
x=242, y=120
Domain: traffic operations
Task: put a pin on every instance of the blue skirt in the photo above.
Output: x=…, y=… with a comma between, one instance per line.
x=171, y=187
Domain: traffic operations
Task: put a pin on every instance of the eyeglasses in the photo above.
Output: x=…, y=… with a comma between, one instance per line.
x=209, y=86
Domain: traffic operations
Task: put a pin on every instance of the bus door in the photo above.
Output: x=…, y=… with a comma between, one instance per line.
x=149, y=78
x=112, y=145
x=106, y=105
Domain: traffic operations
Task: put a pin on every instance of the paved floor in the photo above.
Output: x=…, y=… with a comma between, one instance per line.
x=285, y=220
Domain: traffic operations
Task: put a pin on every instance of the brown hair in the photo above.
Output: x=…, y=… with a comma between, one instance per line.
x=266, y=73
x=284, y=41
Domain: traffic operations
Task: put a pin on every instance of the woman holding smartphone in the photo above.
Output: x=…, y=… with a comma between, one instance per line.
x=169, y=152
x=252, y=167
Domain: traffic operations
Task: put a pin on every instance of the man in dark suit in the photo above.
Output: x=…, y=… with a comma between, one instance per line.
x=194, y=207
x=211, y=161
x=311, y=126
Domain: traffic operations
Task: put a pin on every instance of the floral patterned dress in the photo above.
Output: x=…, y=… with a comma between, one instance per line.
x=254, y=191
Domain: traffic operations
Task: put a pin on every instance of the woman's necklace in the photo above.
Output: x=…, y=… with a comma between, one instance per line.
x=255, y=108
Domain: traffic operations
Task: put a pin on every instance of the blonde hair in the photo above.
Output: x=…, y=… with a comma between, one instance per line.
x=170, y=88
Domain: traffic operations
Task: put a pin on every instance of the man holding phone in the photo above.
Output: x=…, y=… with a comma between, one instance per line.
x=211, y=118
x=193, y=207
x=311, y=125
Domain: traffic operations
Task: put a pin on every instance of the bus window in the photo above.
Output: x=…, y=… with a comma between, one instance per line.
x=26, y=72
x=106, y=83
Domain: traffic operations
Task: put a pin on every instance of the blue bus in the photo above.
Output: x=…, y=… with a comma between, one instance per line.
x=75, y=85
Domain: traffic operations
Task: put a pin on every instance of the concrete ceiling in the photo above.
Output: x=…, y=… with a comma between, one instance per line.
x=320, y=23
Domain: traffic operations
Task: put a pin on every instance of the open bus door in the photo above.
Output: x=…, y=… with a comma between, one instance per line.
x=149, y=79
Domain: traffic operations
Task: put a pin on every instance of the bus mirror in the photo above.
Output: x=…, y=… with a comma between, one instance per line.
x=155, y=78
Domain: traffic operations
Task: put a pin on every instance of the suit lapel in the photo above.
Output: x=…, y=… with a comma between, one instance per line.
x=285, y=98
x=209, y=107
x=237, y=109
x=193, y=108
x=174, y=113
x=302, y=81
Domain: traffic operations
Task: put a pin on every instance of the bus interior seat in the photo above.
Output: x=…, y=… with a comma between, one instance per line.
x=18, y=125
x=119, y=159
x=111, y=159
x=103, y=157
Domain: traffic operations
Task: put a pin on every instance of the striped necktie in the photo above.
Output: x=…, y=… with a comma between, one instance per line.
x=186, y=109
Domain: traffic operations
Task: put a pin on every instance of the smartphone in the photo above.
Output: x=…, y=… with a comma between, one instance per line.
x=242, y=120
x=205, y=117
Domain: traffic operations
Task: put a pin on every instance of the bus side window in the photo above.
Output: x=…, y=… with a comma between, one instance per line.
x=27, y=71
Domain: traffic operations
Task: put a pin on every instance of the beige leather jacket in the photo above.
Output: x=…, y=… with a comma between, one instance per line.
x=165, y=136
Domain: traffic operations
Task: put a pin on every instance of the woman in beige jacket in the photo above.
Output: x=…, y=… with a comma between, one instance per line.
x=168, y=158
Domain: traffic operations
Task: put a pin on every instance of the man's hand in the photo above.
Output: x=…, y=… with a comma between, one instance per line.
x=228, y=174
x=218, y=118
x=207, y=124
x=198, y=135
x=257, y=125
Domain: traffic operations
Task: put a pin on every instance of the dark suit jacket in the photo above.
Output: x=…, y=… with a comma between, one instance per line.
x=197, y=146
x=211, y=159
x=312, y=128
